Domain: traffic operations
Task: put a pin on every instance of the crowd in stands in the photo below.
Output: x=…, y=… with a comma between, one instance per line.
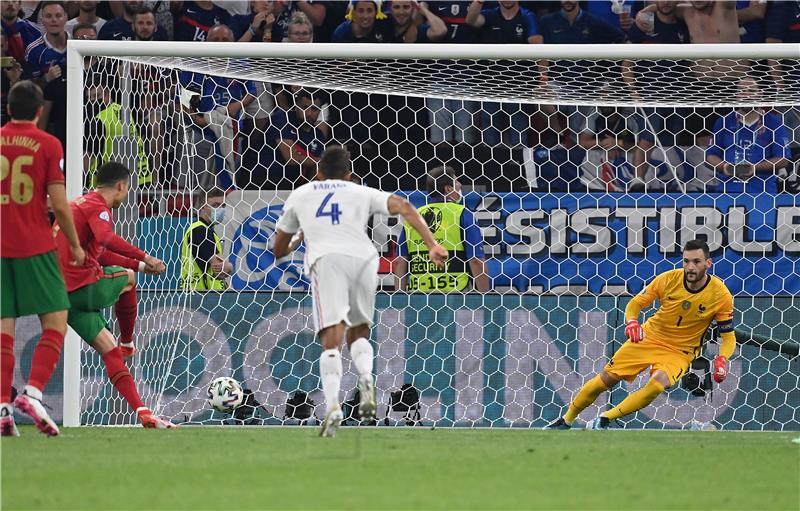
x=257, y=135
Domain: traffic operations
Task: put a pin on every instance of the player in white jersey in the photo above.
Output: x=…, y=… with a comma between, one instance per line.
x=331, y=216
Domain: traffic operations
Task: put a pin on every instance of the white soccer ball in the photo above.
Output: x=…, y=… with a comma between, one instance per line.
x=225, y=394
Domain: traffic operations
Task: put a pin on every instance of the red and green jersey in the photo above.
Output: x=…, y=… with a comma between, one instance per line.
x=30, y=159
x=103, y=247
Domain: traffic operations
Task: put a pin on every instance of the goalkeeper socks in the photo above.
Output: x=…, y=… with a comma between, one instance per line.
x=45, y=358
x=126, y=310
x=362, y=354
x=585, y=397
x=636, y=401
x=6, y=367
x=330, y=372
x=121, y=378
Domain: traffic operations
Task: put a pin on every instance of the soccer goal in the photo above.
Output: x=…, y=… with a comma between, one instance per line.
x=586, y=168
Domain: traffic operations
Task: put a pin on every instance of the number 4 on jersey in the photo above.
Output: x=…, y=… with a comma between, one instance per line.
x=333, y=212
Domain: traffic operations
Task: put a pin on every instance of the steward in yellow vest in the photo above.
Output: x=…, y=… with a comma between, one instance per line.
x=202, y=266
x=454, y=227
x=109, y=124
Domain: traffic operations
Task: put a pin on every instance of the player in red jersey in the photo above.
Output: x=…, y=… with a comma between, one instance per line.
x=30, y=281
x=107, y=279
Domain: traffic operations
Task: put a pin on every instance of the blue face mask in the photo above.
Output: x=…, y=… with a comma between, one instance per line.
x=217, y=214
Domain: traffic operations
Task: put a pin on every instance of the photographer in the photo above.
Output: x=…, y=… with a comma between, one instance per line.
x=215, y=106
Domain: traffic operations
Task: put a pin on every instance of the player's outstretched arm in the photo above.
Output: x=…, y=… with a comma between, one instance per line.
x=58, y=197
x=400, y=206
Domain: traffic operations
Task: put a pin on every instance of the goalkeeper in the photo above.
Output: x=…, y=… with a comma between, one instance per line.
x=668, y=342
x=93, y=287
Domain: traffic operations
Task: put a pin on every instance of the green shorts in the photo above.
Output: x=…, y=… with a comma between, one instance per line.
x=31, y=285
x=87, y=303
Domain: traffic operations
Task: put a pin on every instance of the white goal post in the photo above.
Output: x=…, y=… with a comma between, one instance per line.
x=423, y=70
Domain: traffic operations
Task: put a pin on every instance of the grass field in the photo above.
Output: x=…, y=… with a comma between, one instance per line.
x=402, y=468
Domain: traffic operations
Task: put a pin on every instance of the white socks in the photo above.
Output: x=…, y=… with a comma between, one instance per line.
x=33, y=392
x=330, y=372
x=362, y=354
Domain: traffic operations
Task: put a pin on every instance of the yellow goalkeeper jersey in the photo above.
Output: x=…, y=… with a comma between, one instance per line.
x=683, y=315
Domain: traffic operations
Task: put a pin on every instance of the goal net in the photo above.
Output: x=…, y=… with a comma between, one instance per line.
x=585, y=169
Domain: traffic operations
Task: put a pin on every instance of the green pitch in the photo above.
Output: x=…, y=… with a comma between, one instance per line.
x=410, y=468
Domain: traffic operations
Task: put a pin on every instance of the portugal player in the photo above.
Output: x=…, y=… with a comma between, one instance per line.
x=690, y=299
x=93, y=287
x=30, y=281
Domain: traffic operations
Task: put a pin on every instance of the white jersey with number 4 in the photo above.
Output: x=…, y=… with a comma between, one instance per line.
x=333, y=215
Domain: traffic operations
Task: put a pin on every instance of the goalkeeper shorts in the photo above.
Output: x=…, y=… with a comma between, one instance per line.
x=633, y=358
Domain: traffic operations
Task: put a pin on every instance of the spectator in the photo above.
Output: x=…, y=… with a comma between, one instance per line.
x=316, y=12
x=403, y=26
x=257, y=26
x=335, y=12
x=11, y=74
x=783, y=26
x=572, y=25
x=616, y=13
x=202, y=266
x=506, y=24
x=217, y=112
x=19, y=33
x=301, y=29
x=751, y=15
x=47, y=64
x=647, y=81
x=749, y=142
x=195, y=19
x=452, y=119
x=455, y=227
x=610, y=136
x=708, y=22
x=87, y=15
x=290, y=150
x=121, y=28
x=360, y=24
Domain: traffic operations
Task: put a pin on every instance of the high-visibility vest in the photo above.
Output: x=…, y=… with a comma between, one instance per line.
x=112, y=128
x=193, y=277
x=444, y=220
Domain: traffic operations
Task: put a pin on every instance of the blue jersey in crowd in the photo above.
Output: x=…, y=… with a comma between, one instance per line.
x=473, y=240
x=344, y=33
x=216, y=90
x=517, y=30
x=119, y=29
x=752, y=32
x=783, y=22
x=306, y=139
x=454, y=15
x=40, y=56
x=193, y=23
x=734, y=142
x=652, y=76
x=19, y=35
x=587, y=29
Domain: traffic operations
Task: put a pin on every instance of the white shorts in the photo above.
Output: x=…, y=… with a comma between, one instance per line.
x=343, y=288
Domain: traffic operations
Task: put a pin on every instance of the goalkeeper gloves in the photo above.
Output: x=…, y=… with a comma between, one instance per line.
x=633, y=330
x=720, y=369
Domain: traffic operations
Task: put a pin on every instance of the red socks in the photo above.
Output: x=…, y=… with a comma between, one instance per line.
x=126, y=310
x=121, y=378
x=6, y=367
x=45, y=358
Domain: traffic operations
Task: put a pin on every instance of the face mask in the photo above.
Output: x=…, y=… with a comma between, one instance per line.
x=217, y=215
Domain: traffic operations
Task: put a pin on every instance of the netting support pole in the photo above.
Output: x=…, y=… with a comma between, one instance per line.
x=74, y=181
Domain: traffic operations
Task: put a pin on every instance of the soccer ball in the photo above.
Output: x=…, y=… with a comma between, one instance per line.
x=225, y=394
